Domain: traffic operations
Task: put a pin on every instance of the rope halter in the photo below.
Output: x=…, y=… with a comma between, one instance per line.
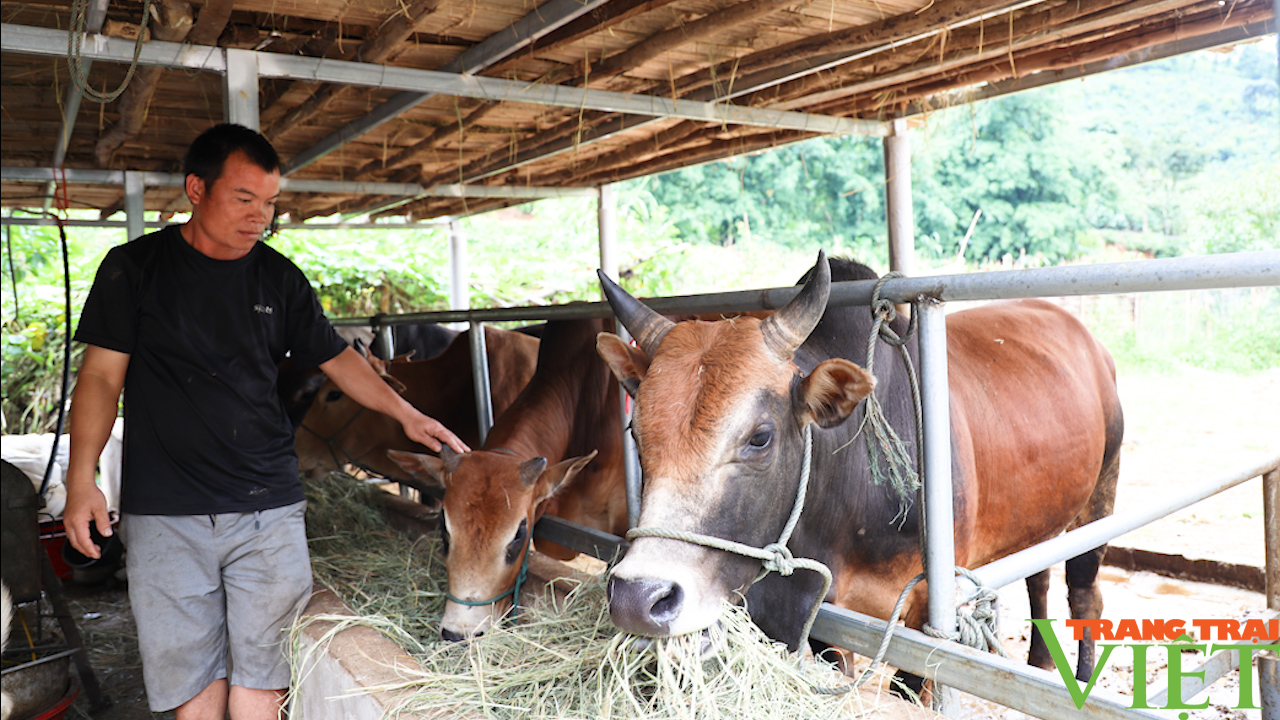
x=334, y=445
x=774, y=557
x=513, y=591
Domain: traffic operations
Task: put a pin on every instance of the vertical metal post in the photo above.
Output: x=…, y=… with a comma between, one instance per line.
x=384, y=343
x=937, y=508
x=240, y=88
x=134, y=207
x=607, y=219
x=898, y=209
x=1269, y=665
x=459, y=270
x=480, y=371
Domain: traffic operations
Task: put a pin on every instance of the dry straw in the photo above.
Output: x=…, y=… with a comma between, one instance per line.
x=564, y=659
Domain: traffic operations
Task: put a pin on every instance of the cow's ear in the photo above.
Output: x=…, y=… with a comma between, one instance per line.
x=832, y=391
x=426, y=469
x=531, y=469
x=629, y=364
x=560, y=474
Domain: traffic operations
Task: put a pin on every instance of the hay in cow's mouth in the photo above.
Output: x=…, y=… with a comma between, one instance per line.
x=564, y=658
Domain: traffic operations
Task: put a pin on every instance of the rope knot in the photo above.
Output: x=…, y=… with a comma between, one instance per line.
x=780, y=559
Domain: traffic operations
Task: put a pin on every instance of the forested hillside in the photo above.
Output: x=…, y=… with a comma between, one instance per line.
x=1168, y=157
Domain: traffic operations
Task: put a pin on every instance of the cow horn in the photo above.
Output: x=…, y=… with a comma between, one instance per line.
x=645, y=325
x=786, y=329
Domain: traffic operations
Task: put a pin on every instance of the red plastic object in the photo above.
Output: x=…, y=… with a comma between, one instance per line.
x=58, y=710
x=52, y=537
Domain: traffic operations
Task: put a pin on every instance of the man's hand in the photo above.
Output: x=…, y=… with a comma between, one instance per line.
x=357, y=378
x=86, y=505
x=430, y=432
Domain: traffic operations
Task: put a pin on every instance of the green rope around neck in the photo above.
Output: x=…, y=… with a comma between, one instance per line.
x=513, y=591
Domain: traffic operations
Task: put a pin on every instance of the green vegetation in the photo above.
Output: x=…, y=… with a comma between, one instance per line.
x=1170, y=158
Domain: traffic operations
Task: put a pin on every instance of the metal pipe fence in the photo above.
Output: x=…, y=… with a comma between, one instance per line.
x=1016, y=685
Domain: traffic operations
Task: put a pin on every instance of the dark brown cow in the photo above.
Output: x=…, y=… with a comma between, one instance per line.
x=337, y=430
x=720, y=410
x=297, y=386
x=537, y=459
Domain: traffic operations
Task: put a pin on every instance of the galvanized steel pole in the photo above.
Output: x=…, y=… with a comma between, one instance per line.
x=1269, y=664
x=134, y=205
x=937, y=507
x=607, y=216
x=480, y=373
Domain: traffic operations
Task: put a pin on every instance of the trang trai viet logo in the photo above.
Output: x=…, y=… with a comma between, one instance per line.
x=1146, y=639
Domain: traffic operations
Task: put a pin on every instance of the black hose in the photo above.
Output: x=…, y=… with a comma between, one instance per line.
x=66, y=360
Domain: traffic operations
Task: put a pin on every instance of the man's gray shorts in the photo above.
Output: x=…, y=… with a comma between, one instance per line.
x=205, y=585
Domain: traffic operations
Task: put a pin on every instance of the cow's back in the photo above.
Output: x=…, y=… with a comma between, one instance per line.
x=1034, y=412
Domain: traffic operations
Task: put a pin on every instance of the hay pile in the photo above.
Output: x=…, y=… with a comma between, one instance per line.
x=564, y=659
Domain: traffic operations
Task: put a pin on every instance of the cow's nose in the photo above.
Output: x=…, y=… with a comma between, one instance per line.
x=450, y=636
x=645, y=606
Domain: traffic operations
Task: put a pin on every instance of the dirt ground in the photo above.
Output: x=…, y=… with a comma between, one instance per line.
x=1181, y=429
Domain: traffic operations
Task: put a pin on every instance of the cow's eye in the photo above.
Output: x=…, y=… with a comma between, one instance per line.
x=517, y=543
x=760, y=439
x=333, y=396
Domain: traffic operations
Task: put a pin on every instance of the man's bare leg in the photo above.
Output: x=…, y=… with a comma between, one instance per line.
x=254, y=704
x=209, y=704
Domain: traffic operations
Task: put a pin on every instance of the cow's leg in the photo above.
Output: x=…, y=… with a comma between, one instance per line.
x=1038, y=594
x=1083, y=594
x=1085, y=600
x=907, y=685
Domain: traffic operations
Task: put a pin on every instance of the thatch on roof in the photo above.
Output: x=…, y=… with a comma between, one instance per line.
x=867, y=59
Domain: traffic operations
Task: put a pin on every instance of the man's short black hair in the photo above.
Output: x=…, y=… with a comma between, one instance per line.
x=209, y=152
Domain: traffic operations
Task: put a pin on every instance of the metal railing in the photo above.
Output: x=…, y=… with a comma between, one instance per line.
x=1018, y=686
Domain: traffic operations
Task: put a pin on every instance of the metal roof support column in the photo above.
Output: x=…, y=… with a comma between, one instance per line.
x=459, y=299
x=1269, y=665
x=936, y=508
x=240, y=88
x=459, y=272
x=897, y=175
x=135, y=223
x=607, y=217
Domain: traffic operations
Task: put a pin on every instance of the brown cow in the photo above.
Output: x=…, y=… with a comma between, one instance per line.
x=720, y=412
x=537, y=459
x=337, y=430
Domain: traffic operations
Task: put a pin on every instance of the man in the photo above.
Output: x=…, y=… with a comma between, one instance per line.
x=190, y=322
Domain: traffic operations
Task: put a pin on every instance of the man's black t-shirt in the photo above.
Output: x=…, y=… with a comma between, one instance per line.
x=205, y=431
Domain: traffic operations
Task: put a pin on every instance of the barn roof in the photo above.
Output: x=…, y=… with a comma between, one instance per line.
x=430, y=108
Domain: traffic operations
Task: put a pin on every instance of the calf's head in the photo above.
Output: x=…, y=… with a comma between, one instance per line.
x=719, y=415
x=338, y=430
x=491, y=503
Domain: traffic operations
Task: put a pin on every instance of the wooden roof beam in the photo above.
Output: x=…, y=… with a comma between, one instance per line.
x=654, y=46
x=518, y=35
x=852, y=43
x=172, y=23
x=376, y=49
x=1174, y=37
x=670, y=39
x=974, y=45
x=807, y=56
